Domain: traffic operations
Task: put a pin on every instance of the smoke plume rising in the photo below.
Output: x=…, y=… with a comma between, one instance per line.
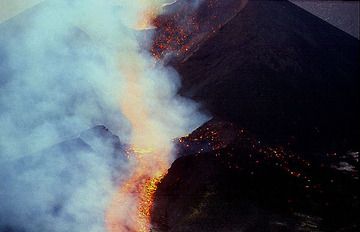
x=65, y=67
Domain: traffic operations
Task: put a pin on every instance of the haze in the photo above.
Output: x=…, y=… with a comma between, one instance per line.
x=10, y=8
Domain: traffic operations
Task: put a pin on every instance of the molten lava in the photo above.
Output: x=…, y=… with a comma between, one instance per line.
x=151, y=132
x=150, y=146
x=184, y=24
x=130, y=209
x=149, y=154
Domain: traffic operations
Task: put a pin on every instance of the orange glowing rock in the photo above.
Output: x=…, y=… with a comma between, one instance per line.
x=131, y=206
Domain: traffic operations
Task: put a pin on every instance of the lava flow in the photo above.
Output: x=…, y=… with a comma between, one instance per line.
x=130, y=209
x=150, y=147
x=156, y=116
x=185, y=24
x=149, y=153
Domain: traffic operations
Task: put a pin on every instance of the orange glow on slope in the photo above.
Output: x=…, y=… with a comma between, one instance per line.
x=150, y=152
x=146, y=19
x=183, y=27
x=130, y=209
x=151, y=9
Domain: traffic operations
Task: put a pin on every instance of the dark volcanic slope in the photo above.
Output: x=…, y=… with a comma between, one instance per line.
x=288, y=84
x=281, y=72
x=186, y=23
x=233, y=181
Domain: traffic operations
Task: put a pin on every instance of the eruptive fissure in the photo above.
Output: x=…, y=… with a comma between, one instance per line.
x=134, y=198
x=149, y=151
x=156, y=116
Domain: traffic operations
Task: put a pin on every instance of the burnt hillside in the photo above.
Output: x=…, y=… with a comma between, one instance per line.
x=282, y=73
x=282, y=151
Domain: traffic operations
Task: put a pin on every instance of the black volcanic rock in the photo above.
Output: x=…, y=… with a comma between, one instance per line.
x=183, y=25
x=282, y=73
x=291, y=80
x=286, y=82
x=248, y=185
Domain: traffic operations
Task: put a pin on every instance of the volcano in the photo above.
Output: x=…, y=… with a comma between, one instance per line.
x=282, y=86
x=281, y=151
x=280, y=71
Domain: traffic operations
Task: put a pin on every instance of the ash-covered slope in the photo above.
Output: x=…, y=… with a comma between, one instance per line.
x=288, y=160
x=282, y=73
x=230, y=180
x=185, y=24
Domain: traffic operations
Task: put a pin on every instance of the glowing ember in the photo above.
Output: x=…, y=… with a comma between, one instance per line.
x=185, y=24
x=150, y=152
x=145, y=97
x=130, y=209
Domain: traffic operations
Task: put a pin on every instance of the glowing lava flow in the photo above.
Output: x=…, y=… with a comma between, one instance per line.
x=150, y=151
x=130, y=209
x=156, y=117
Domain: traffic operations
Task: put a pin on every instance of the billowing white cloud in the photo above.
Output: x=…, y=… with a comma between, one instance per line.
x=64, y=70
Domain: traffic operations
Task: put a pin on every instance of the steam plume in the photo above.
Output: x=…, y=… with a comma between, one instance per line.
x=67, y=66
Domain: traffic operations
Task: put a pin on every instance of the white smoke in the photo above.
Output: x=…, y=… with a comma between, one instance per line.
x=59, y=76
